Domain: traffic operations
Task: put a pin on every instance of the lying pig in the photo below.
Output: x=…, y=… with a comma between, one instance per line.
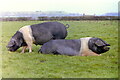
x=77, y=47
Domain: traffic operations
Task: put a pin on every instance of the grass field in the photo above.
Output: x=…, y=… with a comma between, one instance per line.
x=34, y=65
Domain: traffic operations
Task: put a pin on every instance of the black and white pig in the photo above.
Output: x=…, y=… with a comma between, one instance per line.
x=87, y=46
x=37, y=34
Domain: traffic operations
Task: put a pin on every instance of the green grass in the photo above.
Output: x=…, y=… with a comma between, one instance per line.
x=34, y=65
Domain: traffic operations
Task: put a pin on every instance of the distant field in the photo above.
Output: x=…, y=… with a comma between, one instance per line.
x=34, y=65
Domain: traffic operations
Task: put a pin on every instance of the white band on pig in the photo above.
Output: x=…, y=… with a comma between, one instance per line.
x=28, y=37
x=84, y=45
x=27, y=33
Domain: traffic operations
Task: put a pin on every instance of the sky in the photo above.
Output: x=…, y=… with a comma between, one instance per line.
x=70, y=6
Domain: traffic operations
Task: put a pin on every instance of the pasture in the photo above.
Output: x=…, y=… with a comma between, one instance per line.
x=37, y=65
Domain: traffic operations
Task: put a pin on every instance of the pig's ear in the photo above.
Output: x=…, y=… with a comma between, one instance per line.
x=99, y=43
x=10, y=44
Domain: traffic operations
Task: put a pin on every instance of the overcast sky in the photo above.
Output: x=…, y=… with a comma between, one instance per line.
x=72, y=6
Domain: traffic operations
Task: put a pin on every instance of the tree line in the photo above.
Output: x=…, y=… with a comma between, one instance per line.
x=66, y=18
